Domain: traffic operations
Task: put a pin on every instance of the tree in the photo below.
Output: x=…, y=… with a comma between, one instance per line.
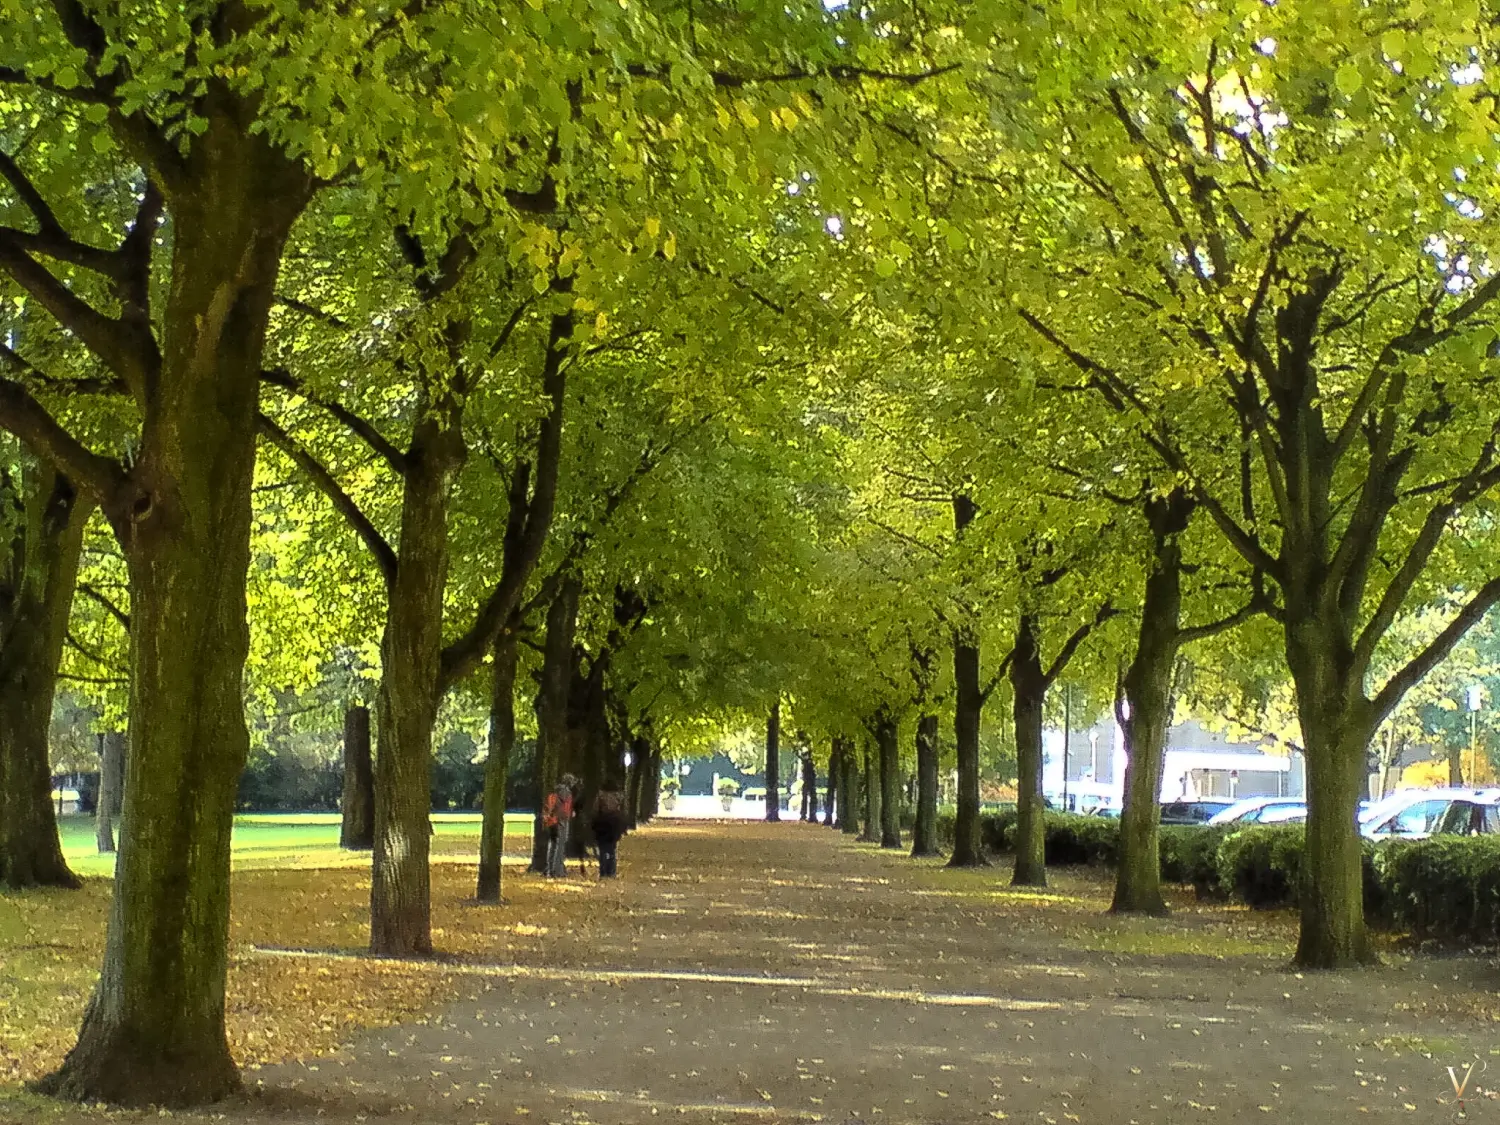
x=46, y=524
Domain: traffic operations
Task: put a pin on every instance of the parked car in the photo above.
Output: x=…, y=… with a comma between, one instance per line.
x=1193, y=812
x=1261, y=810
x=1284, y=814
x=1110, y=812
x=1417, y=813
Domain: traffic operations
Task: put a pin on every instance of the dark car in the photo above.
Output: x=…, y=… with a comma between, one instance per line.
x=1192, y=812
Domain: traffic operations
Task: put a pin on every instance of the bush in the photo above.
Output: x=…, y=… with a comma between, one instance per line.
x=994, y=828
x=1445, y=888
x=1262, y=865
x=1190, y=855
x=1072, y=840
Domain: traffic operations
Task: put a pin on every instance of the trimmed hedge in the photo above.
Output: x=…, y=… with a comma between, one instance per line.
x=1072, y=840
x=1262, y=865
x=1190, y=855
x=1445, y=887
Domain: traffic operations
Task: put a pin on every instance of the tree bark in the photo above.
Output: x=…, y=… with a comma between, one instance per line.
x=153, y=1032
x=43, y=572
x=640, y=758
x=497, y=768
x=111, y=787
x=872, y=793
x=924, y=839
x=1148, y=717
x=809, y=789
x=552, y=705
x=849, y=809
x=651, y=784
x=1337, y=724
x=887, y=733
x=835, y=792
x=968, y=706
x=407, y=704
x=1455, y=765
x=1028, y=683
x=358, y=804
x=773, y=763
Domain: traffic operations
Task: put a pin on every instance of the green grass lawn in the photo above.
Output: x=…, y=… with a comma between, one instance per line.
x=264, y=840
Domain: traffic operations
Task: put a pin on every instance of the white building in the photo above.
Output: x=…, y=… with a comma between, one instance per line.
x=1199, y=763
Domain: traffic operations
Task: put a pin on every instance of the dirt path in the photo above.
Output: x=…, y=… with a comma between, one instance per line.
x=751, y=972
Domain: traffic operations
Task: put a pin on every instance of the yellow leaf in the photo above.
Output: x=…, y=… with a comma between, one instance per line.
x=669, y=247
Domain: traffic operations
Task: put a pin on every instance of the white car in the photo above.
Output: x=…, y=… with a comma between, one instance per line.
x=1414, y=814
x=1262, y=810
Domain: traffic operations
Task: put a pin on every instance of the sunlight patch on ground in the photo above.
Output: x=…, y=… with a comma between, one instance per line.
x=1153, y=937
x=617, y=976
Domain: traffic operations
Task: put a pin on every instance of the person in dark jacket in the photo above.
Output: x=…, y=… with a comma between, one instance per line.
x=609, y=825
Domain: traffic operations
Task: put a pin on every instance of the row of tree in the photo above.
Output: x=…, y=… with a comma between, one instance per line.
x=666, y=364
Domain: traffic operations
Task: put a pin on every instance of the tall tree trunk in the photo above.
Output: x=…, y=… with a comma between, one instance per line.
x=594, y=741
x=154, y=1031
x=1148, y=711
x=1337, y=724
x=887, y=734
x=411, y=659
x=849, y=810
x=809, y=788
x=552, y=706
x=497, y=767
x=1455, y=765
x=835, y=791
x=111, y=788
x=872, y=792
x=924, y=839
x=640, y=758
x=651, y=784
x=358, y=805
x=43, y=573
x=1029, y=686
x=773, y=763
x=968, y=705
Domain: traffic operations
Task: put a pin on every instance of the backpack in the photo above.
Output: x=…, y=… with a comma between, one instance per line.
x=558, y=807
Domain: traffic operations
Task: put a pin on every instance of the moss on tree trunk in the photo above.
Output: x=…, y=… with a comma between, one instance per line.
x=1148, y=693
x=153, y=1032
x=411, y=658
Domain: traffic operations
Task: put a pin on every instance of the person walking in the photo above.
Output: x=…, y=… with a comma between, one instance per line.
x=557, y=818
x=609, y=825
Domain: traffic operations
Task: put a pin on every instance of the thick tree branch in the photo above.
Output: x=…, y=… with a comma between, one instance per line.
x=528, y=521
x=104, y=600
x=343, y=503
x=360, y=427
x=1071, y=646
x=101, y=478
x=1419, y=666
